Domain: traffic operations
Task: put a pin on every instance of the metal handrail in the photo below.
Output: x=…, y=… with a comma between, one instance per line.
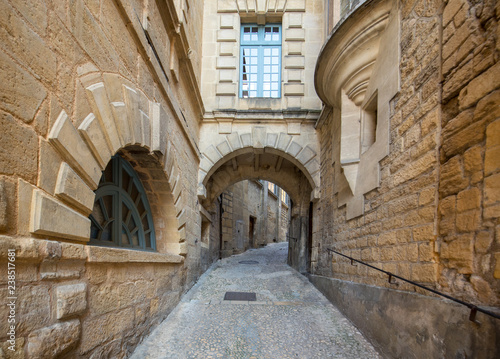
x=474, y=309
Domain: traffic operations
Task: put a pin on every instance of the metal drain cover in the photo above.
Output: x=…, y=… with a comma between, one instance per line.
x=252, y=297
x=248, y=262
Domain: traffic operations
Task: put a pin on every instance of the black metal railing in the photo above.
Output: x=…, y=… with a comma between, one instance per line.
x=473, y=308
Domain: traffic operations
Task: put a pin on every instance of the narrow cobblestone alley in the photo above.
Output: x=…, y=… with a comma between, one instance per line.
x=289, y=319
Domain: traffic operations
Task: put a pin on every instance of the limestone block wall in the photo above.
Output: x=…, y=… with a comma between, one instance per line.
x=469, y=162
x=302, y=34
x=80, y=82
x=433, y=217
x=247, y=199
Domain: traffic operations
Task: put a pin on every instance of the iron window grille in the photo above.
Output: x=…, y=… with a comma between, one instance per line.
x=260, y=61
x=121, y=216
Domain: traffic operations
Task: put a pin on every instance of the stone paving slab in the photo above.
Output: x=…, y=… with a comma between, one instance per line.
x=290, y=319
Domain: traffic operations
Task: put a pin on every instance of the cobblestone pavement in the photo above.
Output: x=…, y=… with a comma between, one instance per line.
x=290, y=319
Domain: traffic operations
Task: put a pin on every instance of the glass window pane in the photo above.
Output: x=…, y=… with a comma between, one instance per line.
x=107, y=233
x=254, y=69
x=276, y=51
x=253, y=78
x=253, y=61
x=276, y=60
x=255, y=52
x=274, y=78
x=275, y=69
x=267, y=69
x=125, y=239
x=115, y=219
x=274, y=94
x=266, y=86
x=267, y=77
x=266, y=94
x=267, y=60
x=253, y=93
x=267, y=52
x=135, y=239
x=274, y=86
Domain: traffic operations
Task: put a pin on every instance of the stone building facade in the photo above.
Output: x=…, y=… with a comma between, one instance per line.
x=124, y=123
x=255, y=213
x=410, y=186
x=82, y=81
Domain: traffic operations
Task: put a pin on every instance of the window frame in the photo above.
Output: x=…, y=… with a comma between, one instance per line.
x=120, y=197
x=260, y=45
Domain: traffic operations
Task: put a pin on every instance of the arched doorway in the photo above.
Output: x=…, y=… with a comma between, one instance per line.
x=277, y=167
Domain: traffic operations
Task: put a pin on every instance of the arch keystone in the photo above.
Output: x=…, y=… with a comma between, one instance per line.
x=131, y=98
x=259, y=137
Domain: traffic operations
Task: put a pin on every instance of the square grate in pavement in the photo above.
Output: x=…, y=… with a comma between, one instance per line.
x=252, y=297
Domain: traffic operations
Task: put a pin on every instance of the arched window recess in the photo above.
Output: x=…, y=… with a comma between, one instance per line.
x=121, y=216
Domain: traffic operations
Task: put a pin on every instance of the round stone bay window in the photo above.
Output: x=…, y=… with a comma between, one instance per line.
x=121, y=216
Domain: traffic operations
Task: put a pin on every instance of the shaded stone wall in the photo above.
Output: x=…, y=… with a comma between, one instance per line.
x=80, y=82
x=433, y=218
x=247, y=199
x=469, y=162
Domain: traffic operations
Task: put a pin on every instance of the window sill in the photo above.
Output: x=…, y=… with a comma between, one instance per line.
x=121, y=255
x=39, y=250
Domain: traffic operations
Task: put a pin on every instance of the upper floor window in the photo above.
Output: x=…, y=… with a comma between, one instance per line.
x=121, y=215
x=260, y=61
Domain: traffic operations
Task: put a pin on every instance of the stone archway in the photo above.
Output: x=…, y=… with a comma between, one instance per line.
x=288, y=167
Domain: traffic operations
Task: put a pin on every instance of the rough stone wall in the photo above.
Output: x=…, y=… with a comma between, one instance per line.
x=469, y=162
x=284, y=223
x=72, y=74
x=272, y=219
x=245, y=199
x=433, y=217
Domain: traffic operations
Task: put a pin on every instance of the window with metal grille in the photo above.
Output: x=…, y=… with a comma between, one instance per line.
x=260, y=61
x=121, y=215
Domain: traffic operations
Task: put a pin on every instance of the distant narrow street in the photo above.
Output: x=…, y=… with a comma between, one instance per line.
x=289, y=319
